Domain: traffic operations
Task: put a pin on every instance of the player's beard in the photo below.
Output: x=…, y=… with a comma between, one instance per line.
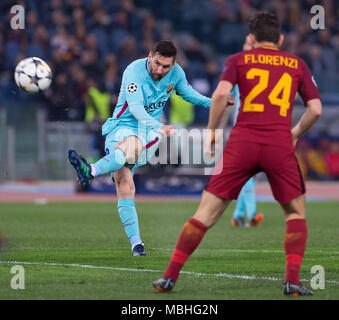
x=156, y=76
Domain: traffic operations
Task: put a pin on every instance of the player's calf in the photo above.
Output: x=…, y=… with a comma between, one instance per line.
x=124, y=183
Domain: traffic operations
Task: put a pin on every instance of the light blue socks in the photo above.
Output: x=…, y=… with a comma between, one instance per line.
x=109, y=163
x=246, y=201
x=129, y=219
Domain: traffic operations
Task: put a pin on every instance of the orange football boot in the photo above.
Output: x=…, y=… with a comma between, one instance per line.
x=258, y=218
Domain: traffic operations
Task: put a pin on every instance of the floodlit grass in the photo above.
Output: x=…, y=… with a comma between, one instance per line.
x=80, y=251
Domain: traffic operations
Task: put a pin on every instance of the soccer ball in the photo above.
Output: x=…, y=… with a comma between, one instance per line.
x=33, y=75
x=132, y=87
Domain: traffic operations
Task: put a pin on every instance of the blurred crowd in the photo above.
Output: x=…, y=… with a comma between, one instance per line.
x=319, y=159
x=89, y=43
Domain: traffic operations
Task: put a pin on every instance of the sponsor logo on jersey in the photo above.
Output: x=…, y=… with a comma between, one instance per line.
x=154, y=106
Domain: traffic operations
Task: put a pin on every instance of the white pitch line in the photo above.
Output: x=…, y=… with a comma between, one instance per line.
x=223, y=275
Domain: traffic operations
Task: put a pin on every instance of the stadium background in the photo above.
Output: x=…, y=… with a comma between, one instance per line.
x=89, y=43
x=78, y=250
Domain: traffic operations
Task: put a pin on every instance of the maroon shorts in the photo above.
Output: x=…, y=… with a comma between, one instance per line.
x=242, y=160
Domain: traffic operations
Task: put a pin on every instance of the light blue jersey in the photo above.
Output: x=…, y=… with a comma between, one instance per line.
x=140, y=105
x=236, y=92
x=141, y=99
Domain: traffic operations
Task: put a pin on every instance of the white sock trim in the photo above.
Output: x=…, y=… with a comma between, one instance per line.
x=93, y=170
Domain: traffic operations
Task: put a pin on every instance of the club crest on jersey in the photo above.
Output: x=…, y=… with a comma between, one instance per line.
x=132, y=87
x=169, y=88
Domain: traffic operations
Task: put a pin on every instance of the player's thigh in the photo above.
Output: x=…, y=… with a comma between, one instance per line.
x=123, y=179
x=295, y=209
x=152, y=144
x=131, y=147
x=210, y=209
x=239, y=163
x=127, y=139
x=283, y=173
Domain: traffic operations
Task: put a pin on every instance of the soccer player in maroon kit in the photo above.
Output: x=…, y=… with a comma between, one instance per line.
x=262, y=140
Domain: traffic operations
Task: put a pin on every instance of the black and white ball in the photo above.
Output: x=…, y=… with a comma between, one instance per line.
x=132, y=87
x=33, y=75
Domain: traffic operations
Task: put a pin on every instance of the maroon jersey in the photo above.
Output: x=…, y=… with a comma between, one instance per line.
x=268, y=81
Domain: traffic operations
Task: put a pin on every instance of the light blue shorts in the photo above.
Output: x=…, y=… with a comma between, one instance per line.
x=150, y=141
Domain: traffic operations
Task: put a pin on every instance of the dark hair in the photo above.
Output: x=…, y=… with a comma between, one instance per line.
x=165, y=48
x=265, y=27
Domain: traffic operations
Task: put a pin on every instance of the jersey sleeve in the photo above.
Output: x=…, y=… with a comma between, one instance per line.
x=308, y=89
x=230, y=72
x=185, y=90
x=135, y=99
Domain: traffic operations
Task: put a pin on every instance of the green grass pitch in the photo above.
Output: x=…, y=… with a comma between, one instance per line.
x=80, y=251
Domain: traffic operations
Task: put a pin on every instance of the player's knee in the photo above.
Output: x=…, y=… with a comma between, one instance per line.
x=125, y=187
x=210, y=218
x=210, y=210
x=295, y=209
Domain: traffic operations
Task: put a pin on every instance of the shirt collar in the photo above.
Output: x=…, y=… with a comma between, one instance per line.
x=268, y=47
x=147, y=66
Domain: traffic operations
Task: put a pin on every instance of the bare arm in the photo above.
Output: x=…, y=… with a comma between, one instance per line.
x=185, y=90
x=226, y=113
x=218, y=115
x=308, y=119
x=224, y=119
x=219, y=103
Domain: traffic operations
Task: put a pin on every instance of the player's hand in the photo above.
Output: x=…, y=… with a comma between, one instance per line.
x=230, y=101
x=210, y=143
x=209, y=147
x=213, y=142
x=294, y=137
x=167, y=130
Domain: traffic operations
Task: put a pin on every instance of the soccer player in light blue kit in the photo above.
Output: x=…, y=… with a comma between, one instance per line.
x=134, y=131
x=246, y=200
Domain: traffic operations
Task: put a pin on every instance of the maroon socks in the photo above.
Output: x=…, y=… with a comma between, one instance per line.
x=295, y=245
x=190, y=237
